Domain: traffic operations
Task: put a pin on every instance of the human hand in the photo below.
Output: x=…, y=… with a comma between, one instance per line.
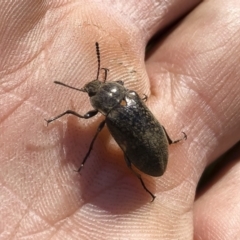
x=191, y=77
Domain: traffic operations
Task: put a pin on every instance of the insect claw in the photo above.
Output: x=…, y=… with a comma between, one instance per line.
x=47, y=121
x=185, y=135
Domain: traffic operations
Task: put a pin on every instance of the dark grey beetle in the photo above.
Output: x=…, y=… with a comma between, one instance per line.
x=143, y=140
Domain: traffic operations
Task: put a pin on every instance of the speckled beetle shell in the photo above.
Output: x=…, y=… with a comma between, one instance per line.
x=132, y=125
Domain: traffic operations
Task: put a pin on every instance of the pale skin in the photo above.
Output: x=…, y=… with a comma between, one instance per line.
x=191, y=77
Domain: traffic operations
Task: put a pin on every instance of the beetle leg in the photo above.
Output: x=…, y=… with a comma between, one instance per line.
x=106, y=71
x=100, y=127
x=129, y=164
x=170, y=141
x=85, y=116
x=145, y=98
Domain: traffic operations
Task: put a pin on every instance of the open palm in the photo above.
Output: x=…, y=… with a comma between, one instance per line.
x=191, y=77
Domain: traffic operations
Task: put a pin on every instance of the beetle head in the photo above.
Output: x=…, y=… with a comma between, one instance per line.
x=92, y=87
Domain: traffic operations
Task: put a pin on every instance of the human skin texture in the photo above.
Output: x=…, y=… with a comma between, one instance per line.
x=191, y=77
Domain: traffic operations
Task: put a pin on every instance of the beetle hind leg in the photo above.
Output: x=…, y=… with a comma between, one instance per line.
x=170, y=141
x=129, y=164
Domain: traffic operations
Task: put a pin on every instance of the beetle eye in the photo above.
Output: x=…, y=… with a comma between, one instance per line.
x=120, y=82
x=91, y=94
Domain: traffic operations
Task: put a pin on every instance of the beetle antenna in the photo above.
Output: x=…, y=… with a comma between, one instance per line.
x=65, y=85
x=98, y=58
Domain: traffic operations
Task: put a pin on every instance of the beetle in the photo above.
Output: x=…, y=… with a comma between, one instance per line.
x=143, y=140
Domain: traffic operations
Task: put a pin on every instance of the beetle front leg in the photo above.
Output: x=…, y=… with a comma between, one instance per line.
x=106, y=71
x=85, y=116
x=145, y=97
x=129, y=164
